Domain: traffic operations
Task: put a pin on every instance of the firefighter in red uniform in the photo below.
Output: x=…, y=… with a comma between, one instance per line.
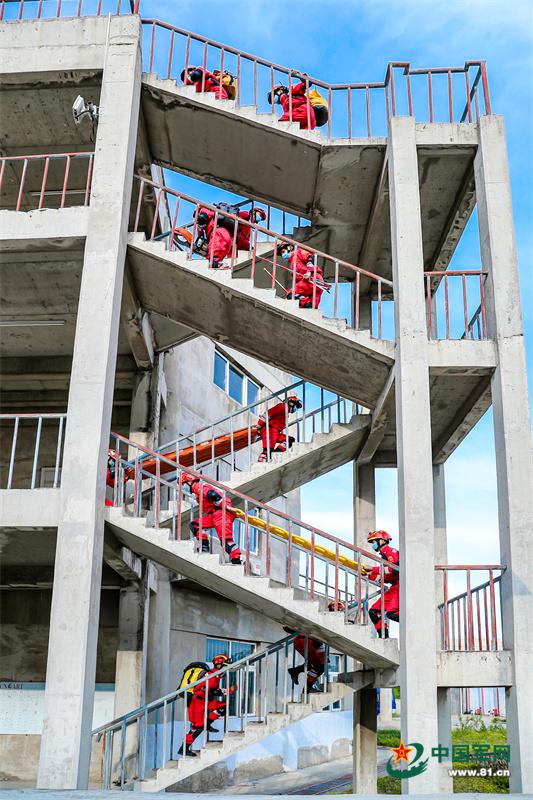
x=379, y=541
x=218, y=513
x=315, y=658
x=219, y=239
x=255, y=215
x=296, y=105
x=309, y=278
x=209, y=692
x=204, y=81
x=273, y=435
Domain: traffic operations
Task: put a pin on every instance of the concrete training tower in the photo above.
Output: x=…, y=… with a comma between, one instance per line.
x=96, y=289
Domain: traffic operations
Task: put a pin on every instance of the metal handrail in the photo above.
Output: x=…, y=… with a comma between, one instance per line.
x=59, y=441
x=290, y=273
x=387, y=85
x=47, y=158
x=167, y=716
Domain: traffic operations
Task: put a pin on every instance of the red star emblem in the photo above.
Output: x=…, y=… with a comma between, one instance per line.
x=401, y=753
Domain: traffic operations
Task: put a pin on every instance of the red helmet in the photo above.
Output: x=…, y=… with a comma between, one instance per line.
x=294, y=401
x=258, y=214
x=374, y=536
x=221, y=660
x=340, y=605
x=188, y=478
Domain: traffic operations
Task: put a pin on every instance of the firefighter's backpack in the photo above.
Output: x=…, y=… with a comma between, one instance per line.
x=229, y=82
x=320, y=107
x=193, y=672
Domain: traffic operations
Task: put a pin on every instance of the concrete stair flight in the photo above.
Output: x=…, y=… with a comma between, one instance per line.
x=175, y=771
x=233, y=311
x=284, y=604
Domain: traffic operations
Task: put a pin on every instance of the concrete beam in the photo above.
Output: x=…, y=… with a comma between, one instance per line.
x=466, y=356
x=137, y=326
x=443, y=135
x=381, y=416
x=122, y=560
x=32, y=49
x=26, y=231
x=364, y=510
x=457, y=670
x=29, y=508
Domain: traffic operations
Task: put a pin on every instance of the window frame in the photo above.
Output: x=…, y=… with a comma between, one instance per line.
x=247, y=380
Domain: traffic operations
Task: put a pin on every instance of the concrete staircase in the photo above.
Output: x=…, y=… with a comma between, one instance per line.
x=214, y=751
x=233, y=311
x=304, y=462
x=286, y=605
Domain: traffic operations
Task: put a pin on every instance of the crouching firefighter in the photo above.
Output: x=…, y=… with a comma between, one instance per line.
x=218, y=236
x=379, y=541
x=314, y=655
x=217, y=512
x=272, y=433
x=206, y=702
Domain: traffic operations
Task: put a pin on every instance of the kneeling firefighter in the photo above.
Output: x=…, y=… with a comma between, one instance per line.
x=273, y=435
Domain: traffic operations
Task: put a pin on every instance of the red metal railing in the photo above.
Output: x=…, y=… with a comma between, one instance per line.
x=274, y=544
x=264, y=254
x=45, y=181
x=11, y=10
x=439, y=94
x=451, y=296
x=471, y=619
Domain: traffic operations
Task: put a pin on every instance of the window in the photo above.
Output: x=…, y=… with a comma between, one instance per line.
x=220, y=371
x=236, y=650
x=252, y=392
x=234, y=382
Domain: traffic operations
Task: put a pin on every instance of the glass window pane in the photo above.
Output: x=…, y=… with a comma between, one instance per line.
x=236, y=381
x=216, y=646
x=240, y=650
x=220, y=371
x=252, y=392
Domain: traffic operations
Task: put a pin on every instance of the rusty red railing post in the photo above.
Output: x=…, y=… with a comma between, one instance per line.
x=43, y=182
x=65, y=182
x=450, y=96
x=446, y=611
x=22, y=182
x=485, y=84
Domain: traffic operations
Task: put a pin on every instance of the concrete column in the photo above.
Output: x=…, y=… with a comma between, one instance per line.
x=66, y=738
x=365, y=771
x=130, y=675
x=160, y=677
x=444, y=696
x=418, y=672
x=364, y=502
x=385, y=707
x=512, y=433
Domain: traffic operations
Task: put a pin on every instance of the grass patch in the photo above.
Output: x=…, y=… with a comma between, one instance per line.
x=388, y=785
x=389, y=737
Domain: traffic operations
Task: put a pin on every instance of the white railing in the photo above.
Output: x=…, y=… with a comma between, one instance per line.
x=34, y=443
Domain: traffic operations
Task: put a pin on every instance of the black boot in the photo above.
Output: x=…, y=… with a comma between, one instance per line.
x=295, y=673
x=205, y=546
x=185, y=750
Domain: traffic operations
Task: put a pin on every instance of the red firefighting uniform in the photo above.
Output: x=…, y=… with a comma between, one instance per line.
x=219, y=515
x=219, y=240
x=274, y=438
x=244, y=232
x=210, y=84
x=316, y=657
x=391, y=598
x=302, y=264
x=302, y=110
x=196, y=710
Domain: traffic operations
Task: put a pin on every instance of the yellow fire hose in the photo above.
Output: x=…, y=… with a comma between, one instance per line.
x=299, y=541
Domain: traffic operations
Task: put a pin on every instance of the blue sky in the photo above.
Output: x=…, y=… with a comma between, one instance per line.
x=353, y=41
